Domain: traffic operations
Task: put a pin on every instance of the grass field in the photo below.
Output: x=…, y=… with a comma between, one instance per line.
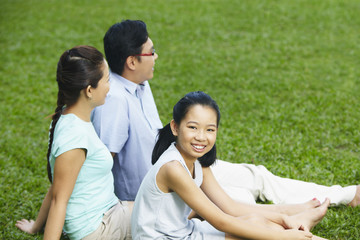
x=284, y=73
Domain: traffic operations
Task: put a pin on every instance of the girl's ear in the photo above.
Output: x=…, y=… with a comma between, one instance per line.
x=130, y=62
x=174, y=127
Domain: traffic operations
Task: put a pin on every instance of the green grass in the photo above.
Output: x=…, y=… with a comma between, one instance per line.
x=285, y=74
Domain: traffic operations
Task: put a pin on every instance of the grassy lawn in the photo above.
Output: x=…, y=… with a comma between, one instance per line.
x=284, y=73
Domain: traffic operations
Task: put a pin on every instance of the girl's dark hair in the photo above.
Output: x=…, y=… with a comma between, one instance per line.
x=181, y=108
x=77, y=68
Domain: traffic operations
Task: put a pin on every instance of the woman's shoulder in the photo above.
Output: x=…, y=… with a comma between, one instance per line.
x=71, y=125
x=70, y=120
x=70, y=132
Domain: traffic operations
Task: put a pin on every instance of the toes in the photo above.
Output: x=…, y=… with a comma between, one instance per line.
x=315, y=202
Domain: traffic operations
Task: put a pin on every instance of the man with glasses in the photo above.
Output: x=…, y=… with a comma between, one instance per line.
x=128, y=123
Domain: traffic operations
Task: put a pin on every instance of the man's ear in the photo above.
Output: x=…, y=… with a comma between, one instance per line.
x=174, y=127
x=130, y=62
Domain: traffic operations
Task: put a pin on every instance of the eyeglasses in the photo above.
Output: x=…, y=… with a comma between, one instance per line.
x=147, y=54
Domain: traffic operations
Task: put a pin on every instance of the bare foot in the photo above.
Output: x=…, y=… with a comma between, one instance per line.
x=293, y=209
x=356, y=201
x=313, y=216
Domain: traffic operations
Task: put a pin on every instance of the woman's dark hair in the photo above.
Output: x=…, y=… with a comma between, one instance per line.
x=122, y=40
x=181, y=108
x=77, y=68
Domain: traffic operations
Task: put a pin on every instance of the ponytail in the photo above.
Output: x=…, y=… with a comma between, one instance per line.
x=209, y=158
x=55, y=119
x=165, y=138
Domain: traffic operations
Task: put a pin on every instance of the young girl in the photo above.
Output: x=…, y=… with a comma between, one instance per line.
x=81, y=200
x=181, y=181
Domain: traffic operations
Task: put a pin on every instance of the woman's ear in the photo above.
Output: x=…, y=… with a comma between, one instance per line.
x=174, y=127
x=88, y=92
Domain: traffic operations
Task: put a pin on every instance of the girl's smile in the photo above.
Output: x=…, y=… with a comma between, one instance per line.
x=199, y=148
x=196, y=134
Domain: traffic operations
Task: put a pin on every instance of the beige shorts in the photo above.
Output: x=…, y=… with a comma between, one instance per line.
x=115, y=224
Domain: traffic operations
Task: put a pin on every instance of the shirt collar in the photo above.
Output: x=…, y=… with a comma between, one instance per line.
x=129, y=85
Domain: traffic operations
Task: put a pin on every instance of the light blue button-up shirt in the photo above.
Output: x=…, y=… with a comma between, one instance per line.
x=128, y=126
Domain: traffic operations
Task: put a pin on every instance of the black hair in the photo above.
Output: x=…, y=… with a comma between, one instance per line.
x=181, y=108
x=122, y=40
x=77, y=68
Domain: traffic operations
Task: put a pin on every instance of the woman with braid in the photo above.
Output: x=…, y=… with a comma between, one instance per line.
x=81, y=200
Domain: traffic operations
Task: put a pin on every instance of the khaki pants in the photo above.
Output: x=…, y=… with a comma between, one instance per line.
x=115, y=224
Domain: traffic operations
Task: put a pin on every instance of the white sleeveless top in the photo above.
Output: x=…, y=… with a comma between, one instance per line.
x=159, y=215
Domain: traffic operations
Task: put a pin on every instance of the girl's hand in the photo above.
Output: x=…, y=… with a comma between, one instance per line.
x=26, y=226
x=292, y=223
x=298, y=235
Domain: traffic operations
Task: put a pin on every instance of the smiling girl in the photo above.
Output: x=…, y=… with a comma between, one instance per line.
x=181, y=181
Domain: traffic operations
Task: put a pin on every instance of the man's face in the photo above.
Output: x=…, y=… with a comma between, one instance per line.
x=145, y=67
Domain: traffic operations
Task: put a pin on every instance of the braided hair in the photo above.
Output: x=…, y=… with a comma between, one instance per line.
x=77, y=68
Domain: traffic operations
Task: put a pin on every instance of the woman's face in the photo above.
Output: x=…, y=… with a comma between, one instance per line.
x=99, y=93
x=196, y=134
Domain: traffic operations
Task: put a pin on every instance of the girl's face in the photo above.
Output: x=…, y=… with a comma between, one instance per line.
x=196, y=134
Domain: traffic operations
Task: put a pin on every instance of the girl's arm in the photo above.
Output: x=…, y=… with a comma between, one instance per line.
x=217, y=195
x=173, y=177
x=66, y=170
x=32, y=226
